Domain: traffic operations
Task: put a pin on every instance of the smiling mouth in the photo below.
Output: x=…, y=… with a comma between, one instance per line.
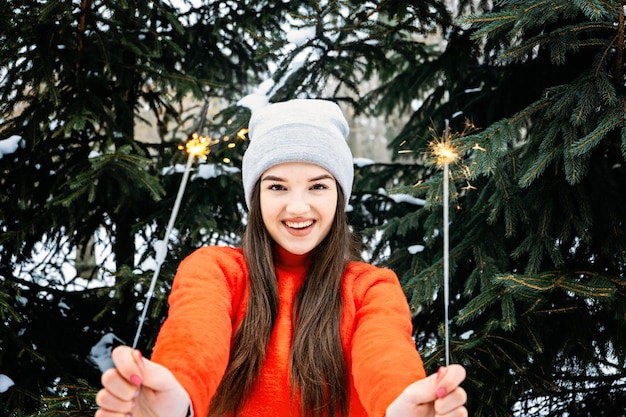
x=299, y=225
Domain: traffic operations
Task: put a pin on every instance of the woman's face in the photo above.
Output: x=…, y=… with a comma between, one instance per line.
x=298, y=203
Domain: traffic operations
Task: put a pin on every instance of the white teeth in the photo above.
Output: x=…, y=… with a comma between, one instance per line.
x=299, y=225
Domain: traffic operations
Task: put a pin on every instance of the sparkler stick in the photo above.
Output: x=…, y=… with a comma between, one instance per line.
x=445, y=154
x=197, y=146
x=446, y=252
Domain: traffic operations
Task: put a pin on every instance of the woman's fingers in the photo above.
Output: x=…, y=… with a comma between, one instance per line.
x=129, y=362
x=118, y=394
x=120, y=384
x=140, y=387
x=448, y=378
x=451, y=398
x=452, y=404
x=117, y=385
x=111, y=403
x=101, y=412
x=142, y=372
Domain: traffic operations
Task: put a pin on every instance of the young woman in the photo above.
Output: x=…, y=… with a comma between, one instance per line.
x=288, y=324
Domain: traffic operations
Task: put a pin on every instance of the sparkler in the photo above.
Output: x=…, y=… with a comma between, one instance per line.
x=445, y=154
x=198, y=146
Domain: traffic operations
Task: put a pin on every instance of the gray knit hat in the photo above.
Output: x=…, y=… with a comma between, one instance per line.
x=301, y=130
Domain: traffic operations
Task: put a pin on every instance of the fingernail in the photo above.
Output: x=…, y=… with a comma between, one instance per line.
x=439, y=373
x=139, y=356
x=136, y=380
x=441, y=392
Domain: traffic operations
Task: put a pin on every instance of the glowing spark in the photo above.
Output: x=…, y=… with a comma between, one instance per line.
x=199, y=146
x=444, y=152
x=468, y=186
x=242, y=134
x=467, y=172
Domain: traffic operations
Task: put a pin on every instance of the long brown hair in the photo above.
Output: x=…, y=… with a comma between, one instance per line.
x=318, y=369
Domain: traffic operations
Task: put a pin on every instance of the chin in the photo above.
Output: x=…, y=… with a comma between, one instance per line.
x=298, y=251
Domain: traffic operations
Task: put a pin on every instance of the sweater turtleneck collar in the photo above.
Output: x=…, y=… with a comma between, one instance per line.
x=287, y=260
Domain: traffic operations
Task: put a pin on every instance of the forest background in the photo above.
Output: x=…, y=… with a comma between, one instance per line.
x=530, y=95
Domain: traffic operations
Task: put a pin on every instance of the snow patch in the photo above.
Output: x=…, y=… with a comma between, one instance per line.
x=5, y=383
x=363, y=162
x=100, y=354
x=254, y=101
x=413, y=249
x=10, y=145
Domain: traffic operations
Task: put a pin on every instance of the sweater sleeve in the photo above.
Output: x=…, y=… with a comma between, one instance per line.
x=385, y=359
x=194, y=341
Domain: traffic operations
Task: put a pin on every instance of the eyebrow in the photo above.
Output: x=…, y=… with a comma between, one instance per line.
x=275, y=178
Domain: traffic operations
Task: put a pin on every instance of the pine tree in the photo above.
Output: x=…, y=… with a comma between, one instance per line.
x=534, y=93
x=74, y=79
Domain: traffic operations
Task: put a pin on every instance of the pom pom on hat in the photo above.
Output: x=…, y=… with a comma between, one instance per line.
x=300, y=130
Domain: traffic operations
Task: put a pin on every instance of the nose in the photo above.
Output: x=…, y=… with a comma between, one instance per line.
x=297, y=204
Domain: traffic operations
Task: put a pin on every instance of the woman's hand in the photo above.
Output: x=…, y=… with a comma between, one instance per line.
x=437, y=395
x=139, y=387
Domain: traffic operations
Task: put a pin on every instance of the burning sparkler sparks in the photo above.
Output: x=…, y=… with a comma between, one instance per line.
x=445, y=154
x=442, y=152
x=199, y=146
x=196, y=147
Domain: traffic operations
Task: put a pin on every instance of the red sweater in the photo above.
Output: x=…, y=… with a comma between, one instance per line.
x=208, y=302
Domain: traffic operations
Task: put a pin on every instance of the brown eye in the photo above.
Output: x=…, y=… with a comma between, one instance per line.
x=319, y=187
x=276, y=187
